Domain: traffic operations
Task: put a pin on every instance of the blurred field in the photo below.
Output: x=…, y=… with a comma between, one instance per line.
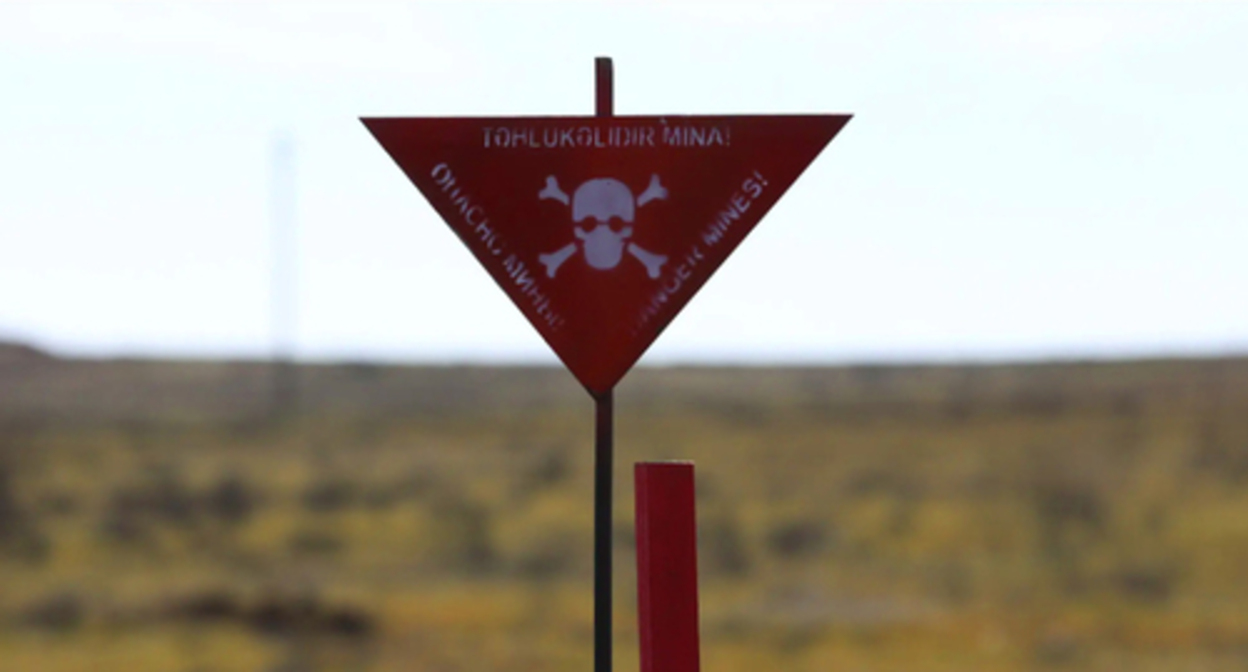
x=155, y=516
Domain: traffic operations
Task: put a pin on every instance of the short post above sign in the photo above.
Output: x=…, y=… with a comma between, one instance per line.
x=601, y=229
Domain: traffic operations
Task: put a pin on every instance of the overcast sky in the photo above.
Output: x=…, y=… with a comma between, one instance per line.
x=1020, y=179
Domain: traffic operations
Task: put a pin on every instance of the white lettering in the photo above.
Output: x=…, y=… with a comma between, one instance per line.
x=473, y=215
x=604, y=136
x=527, y=283
x=442, y=174
x=740, y=201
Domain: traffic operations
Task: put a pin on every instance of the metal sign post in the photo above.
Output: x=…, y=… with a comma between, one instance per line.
x=604, y=447
x=604, y=463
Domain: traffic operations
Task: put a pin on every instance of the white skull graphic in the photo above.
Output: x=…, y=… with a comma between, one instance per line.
x=602, y=200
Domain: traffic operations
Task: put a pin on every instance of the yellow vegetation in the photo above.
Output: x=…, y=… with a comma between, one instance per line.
x=154, y=517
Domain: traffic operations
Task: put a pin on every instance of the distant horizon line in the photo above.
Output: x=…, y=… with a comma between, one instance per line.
x=719, y=360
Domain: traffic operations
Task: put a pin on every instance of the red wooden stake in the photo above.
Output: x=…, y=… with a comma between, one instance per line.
x=667, y=567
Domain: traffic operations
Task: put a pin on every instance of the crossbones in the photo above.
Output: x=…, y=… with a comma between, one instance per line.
x=603, y=199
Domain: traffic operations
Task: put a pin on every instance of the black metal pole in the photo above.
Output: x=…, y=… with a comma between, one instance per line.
x=604, y=449
x=604, y=458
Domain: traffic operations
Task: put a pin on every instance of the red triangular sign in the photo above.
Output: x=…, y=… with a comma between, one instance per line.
x=601, y=229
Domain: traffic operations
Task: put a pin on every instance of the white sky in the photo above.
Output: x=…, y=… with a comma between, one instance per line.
x=1020, y=180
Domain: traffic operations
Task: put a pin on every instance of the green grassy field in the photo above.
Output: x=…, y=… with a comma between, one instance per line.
x=156, y=516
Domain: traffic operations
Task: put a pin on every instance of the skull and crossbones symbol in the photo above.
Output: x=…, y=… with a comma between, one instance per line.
x=603, y=199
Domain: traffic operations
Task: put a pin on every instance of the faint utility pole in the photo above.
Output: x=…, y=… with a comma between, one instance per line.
x=284, y=292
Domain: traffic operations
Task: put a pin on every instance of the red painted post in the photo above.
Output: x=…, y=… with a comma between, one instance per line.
x=667, y=567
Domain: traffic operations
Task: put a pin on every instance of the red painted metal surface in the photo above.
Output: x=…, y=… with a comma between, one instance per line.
x=601, y=229
x=667, y=567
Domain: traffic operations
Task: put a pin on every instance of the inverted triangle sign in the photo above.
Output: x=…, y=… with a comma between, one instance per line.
x=601, y=229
